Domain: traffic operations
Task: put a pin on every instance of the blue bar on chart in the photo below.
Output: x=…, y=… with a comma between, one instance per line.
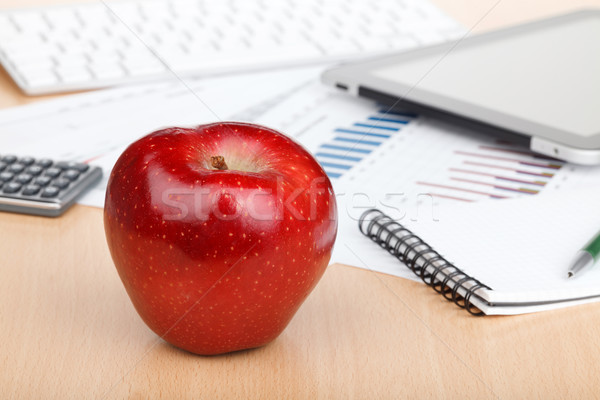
x=350, y=145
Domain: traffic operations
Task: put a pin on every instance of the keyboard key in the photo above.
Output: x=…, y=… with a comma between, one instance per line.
x=31, y=190
x=53, y=172
x=71, y=174
x=34, y=170
x=11, y=187
x=140, y=69
x=2, y=165
x=74, y=61
x=30, y=61
x=94, y=15
x=44, y=162
x=107, y=71
x=62, y=19
x=6, y=176
x=7, y=30
x=75, y=48
x=128, y=12
x=16, y=168
x=61, y=183
x=29, y=21
x=23, y=44
x=9, y=159
x=42, y=180
x=39, y=77
x=73, y=75
x=50, y=191
x=339, y=49
x=23, y=178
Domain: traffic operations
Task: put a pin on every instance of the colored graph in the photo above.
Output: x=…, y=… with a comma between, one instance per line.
x=485, y=173
x=349, y=146
x=441, y=163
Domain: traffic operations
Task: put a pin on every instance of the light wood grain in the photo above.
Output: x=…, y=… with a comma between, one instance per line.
x=483, y=15
x=68, y=329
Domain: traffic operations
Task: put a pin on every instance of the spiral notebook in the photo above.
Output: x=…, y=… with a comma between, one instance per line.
x=499, y=257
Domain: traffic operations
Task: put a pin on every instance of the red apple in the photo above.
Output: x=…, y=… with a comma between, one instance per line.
x=219, y=232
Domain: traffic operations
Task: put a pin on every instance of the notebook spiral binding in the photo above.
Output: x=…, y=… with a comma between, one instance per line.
x=422, y=259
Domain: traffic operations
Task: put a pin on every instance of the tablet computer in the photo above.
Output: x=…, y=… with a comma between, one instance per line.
x=538, y=83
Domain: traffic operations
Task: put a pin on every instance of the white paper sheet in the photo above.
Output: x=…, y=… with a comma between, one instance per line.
x=98, y=126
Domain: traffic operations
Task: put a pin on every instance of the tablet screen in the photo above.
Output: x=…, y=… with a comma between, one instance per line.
x=550, y=76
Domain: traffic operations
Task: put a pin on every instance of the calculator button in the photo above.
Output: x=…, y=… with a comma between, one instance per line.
x=42, y=180
x=9, y=159
x=81, y=167
x=34, y=170
x=72, y=165
x=53, y=172
x=16, y=168
x=44, y=162
x=50, y=191
x=23, y=178
x=11, y=187
x=2, y=165
x=62, y=165
x=61, y=183
x=6, y=176
x=30, y=190
x=71, y=174
x=26, y=161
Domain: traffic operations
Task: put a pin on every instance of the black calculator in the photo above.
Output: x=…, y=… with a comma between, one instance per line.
x=43, y=186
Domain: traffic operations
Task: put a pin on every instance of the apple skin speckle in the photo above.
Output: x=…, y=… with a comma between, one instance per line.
x=216, y=261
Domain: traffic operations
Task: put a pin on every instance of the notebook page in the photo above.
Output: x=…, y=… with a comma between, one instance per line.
x=521, y=248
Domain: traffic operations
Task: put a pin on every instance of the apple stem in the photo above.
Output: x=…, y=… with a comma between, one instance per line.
x=218, y=162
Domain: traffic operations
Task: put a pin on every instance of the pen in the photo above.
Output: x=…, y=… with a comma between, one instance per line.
x=586, y=257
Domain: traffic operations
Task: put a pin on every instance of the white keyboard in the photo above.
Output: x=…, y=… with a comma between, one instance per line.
x=92, y=45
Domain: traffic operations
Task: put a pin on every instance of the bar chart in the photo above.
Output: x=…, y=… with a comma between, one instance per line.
x=495, y=169
x=483, y=173
x=349, y=146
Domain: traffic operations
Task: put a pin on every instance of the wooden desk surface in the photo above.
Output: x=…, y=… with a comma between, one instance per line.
x=68, y=329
